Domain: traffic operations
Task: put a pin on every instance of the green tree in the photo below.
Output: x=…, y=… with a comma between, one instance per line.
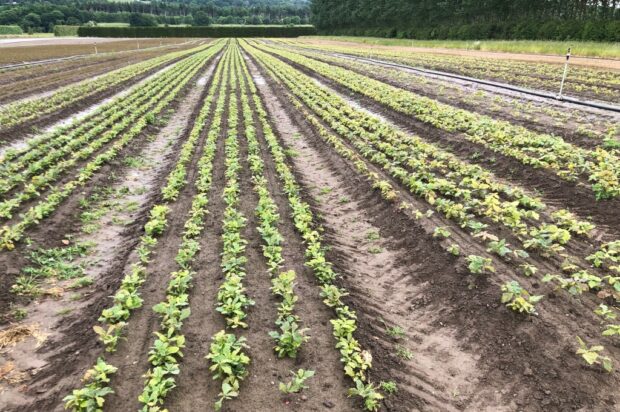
x=201, y=18
x=140, y=19
x=32, y=21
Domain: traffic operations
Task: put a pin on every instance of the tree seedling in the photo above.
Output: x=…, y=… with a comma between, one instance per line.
x=519, y=299
x=297, y=383
x=368, y=392
x=479, y=265
x=592, y=355
x=388, y=387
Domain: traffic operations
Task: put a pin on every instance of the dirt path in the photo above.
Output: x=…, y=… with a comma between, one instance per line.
x=535, y=58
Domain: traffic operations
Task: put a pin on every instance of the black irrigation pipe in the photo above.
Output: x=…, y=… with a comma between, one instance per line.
x=538, y=93
x=506, y=86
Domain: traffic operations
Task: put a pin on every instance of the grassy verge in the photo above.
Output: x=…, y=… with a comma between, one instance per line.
x=579, y=48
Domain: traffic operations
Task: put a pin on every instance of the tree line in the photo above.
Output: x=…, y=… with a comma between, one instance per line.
x=42, y=16
x=187, y=31
x=471, y=19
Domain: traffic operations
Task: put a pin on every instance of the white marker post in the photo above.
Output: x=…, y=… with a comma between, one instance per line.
x=564, y=76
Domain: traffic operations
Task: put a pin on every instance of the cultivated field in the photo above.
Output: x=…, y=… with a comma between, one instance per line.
x=277, y=225
x=17, y=51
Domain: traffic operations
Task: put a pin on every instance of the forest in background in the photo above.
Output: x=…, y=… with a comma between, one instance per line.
x=597, y=20
x=42, y=16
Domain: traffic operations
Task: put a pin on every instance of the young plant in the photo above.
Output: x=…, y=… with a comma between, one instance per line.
x=388, y=387
x=528, y=269
x=290, y=338
x=519, y=299
x=454, y=249
x=368, y=393
x=605, y=312
x=297, y=383
x=592, y=355
x=110, y=336
x=92, y=396
x=441, y=232
x=479, y=265
x=499, y=247
x=612, y=330
x=396, y=332
x=228, y=363
x=404, y=352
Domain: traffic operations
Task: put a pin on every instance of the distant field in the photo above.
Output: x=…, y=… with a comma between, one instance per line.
x=579, y=48
x=113, y=24
x=33, y=50
x=20, y=36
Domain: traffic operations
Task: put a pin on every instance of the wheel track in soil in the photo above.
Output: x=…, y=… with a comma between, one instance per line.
x=440, y=300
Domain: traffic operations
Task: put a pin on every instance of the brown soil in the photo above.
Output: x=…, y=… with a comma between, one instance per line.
x=470, y=353
x=19, y=51
x=17, y=84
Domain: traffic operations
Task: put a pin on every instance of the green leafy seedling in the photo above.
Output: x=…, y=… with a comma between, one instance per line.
x=297, y=383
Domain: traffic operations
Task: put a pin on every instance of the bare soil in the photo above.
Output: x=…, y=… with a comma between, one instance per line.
x=28, y=50
x=460, y=349
x=469, y=352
